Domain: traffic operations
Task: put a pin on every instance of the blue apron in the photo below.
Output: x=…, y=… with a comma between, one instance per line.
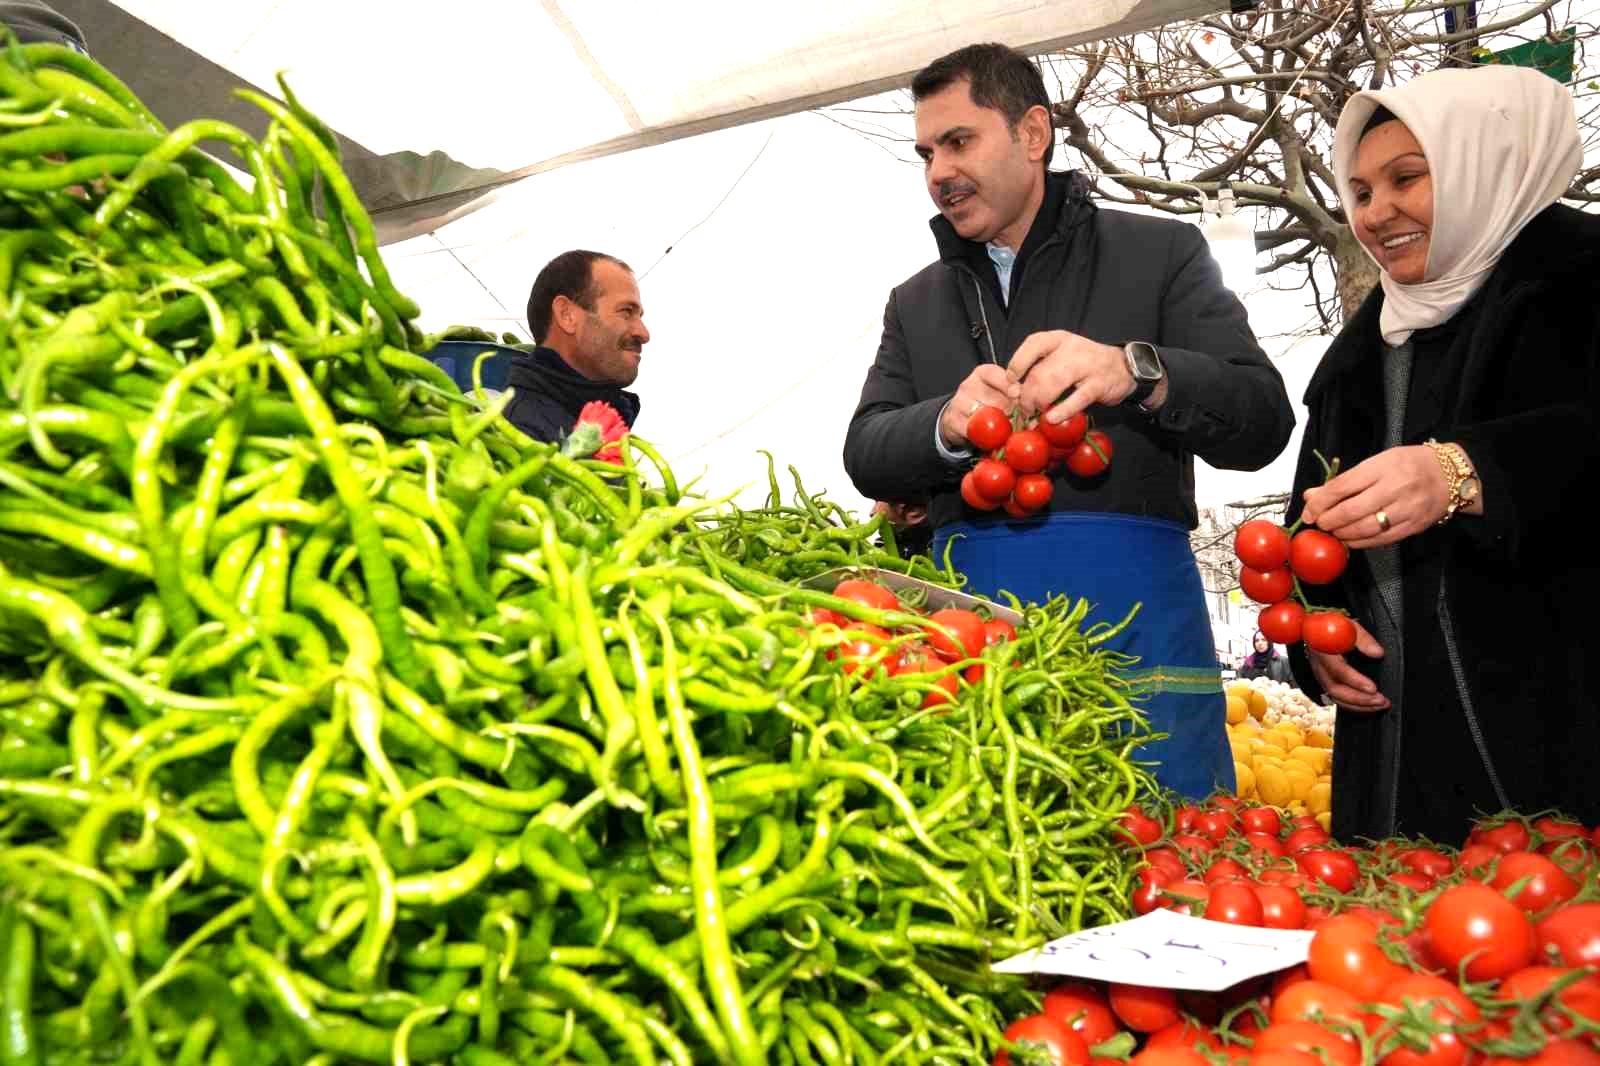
x=1115, y=561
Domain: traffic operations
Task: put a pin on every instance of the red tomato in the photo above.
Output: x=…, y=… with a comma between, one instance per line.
x=1555, y=830
x=1473, y=923
x=1215, y=825
x=1168, y=862
x=1307, y=836
x=1015, y=509
x=1504, y=837
x=1266, y=586
x=1440, y=1002
x=974, y=498
x=1187, y=896
x=1225, y=869
x=922, y=661
x=1186, y=1035
x=1579, y=994
x=1411, y=881
x=1183, y=818
x=1309, y=1038
x=1570, y=936
x=994, y=479
x=863, y=649
x=1149, y=890
x=1287, y=876
x=1329, y=632
x=1478, y=858
x=1066, y=434
x=1310, y=1001
x=1547, y=885
x=1284, y=980
x=1221, y=801
x=1033, y=492
x=821, y=616
x=1281, y=907
x=998, y=631
x=1430, y=862
x=1554, y=1053
x=1027, y=451
x=1045, y=1040
x=1137, y=828
x=1169, y=1056
x=1282, y=623
x=867, y=593
x=1144, y=1009
x=957, y=634
x=1264, y=845
x=1082, y=1008
x=1192, y=845
x=1092, y=456
x=1317, y=558
x=1261, y=820
x=1234, y=902
x=988, y=428
x=1261, y=545
x=1336, y=869
x=1345, y=953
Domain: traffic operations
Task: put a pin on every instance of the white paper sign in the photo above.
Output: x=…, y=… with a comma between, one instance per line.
x=1167, y=950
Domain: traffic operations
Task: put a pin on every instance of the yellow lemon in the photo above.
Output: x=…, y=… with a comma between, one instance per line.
x=1325, y=819
x=1316, y=758
x=1316, y=738
x=1238, y=709
x=1258, y=702
x=1320, y=799
x=1272, y=784
x=1246, y=779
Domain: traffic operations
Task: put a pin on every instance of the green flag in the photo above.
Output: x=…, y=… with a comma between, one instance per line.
x=1554, y=55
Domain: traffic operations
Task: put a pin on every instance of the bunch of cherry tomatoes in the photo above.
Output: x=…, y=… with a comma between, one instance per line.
x=1273, y=563
x=1423, y=955
x=934, y=652
x=1012, y=473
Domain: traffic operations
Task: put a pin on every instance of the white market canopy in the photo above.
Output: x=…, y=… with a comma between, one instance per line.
x=440, y=104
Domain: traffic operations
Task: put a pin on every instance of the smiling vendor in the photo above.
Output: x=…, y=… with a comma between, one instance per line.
x=1042, y=301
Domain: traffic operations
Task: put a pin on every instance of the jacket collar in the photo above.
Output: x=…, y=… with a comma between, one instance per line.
x=547, y=373
x=1066, y=204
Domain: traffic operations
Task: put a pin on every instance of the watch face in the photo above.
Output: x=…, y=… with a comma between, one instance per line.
x=1468, y=489
x=1146, y=364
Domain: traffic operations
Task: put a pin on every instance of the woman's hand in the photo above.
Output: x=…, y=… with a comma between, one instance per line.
x=1343, y=683
x=1405, y=485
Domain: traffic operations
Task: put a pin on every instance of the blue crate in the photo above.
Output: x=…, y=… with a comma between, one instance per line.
x=457, y=357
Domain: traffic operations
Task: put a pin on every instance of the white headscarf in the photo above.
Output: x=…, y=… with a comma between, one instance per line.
x=1502, y=145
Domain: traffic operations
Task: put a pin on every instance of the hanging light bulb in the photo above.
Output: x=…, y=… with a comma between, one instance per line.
x=1232, y=241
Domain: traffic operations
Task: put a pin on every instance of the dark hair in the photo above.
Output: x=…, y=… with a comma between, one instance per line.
x=570, y=274
x=1379, y=117
x=998, y=77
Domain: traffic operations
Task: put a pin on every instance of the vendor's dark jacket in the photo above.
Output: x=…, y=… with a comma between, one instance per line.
x=549, y=395
x=1502, y=667
x=1110, y=276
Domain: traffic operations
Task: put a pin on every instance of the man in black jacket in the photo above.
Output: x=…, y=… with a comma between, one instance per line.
x=1043, y=304
x=586, y=314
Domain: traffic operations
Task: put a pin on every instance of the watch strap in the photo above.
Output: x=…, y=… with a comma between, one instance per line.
x=1457, y=472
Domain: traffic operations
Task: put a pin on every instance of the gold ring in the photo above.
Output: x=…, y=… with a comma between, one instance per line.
x=1383, y=521
x=973, y=409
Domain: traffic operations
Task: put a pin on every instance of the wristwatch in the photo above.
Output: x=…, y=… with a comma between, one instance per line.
x=1458, y=474
x=1144, y=364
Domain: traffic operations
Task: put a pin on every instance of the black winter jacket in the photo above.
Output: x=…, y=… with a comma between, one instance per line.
x=550, y=394
x=1501, y=699
x=1110, y=276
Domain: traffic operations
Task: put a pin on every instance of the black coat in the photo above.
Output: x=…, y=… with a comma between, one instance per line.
x=1110, y=276
x=549, y=395
x=1502, y=669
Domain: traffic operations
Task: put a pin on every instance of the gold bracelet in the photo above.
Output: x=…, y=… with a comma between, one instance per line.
x=1456, y=470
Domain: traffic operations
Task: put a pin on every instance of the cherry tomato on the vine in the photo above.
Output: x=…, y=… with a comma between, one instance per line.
x=1092, y=456
x=1082, y=1008
x=958, y=634
x=988, y=428
x=994, y=479
x=973, y=497
x=1570, y=935
x=1329, y=632
x=1033, y=492
x=1045, y=1040
x=1266, y=586
x=1027, y=451
x=1546, y=883
x=1063, y=435
x=1317, y=558
x=1261, y=820
x=1137, y=828
x=867, y=593
x=1261, y=545
x=1144, y=1009
x=1476, y=925
x=1282, y=623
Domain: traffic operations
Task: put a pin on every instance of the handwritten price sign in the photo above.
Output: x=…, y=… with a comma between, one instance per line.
x=1166, y=950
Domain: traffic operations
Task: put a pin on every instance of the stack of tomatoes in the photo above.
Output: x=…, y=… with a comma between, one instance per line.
x=1273, y=563
x=1423, y=955
x=1013, y=472
x=941, y=649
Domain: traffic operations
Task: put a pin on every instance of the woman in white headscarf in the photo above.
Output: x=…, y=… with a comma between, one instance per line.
x=1460, y=401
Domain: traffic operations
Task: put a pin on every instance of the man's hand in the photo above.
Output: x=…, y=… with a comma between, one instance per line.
x=988, y=385
x=1344, y=684
x=1062, y=373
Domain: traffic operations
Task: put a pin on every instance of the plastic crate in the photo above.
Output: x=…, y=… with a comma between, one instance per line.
x=456, y=358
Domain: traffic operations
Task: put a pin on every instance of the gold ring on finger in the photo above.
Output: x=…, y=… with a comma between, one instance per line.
x=1383, y=521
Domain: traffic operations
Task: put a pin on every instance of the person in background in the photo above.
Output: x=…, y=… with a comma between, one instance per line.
x=34, y=21
x=1043, y=302
x=1265, y=662
x=587, y=316
x=912, y=533
x=1460, y=399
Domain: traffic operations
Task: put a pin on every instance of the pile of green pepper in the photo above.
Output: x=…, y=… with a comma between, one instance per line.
x=340, y=723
